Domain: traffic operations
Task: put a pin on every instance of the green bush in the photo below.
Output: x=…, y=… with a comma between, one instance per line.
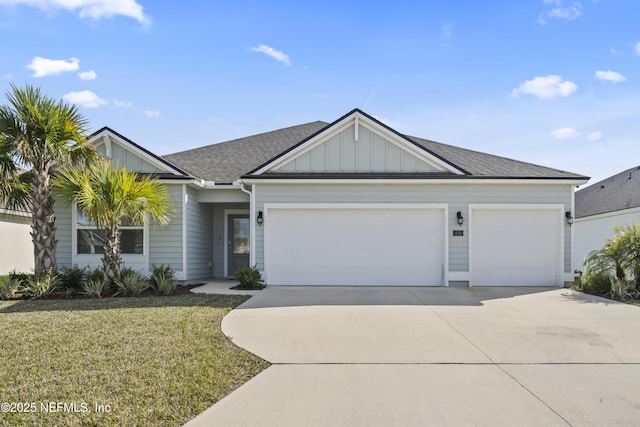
x=131, y=283
x=622, y=290
x=163, y=280
x=40, y=285
x=94, y=287
x=72, y=277
x=597, y=283
x=8, y=287
x=249, y=277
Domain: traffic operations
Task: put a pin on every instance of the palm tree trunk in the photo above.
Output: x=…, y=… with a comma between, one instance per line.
x=43, y=230
x=111, y=260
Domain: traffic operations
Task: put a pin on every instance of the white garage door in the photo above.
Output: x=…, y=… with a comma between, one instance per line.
x=516, y=247
x=354, y=246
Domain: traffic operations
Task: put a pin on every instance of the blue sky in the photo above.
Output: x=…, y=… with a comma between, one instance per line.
x=553, y=82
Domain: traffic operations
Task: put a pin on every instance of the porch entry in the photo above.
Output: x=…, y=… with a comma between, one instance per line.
x=238, y=243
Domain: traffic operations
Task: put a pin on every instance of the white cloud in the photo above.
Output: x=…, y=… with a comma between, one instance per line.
x=595, y=136
x=122, y=104
x=86, y=99
x=616, y=52
x=636, y=48
x=275, y=54
x=151, y=114
x=565, y=133
x=45, y=67
x=546, y=87
x=94, y=9
x=87, y=75
x=8, y=76
x=610, y=76
x=561, y=10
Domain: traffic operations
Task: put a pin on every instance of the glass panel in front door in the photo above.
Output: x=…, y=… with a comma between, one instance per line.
x=241, y=241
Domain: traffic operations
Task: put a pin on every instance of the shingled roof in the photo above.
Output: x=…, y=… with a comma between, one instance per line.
x=226, y=162
x=618, y=192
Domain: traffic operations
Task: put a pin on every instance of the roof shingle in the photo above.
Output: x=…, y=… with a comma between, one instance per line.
x=618, y=192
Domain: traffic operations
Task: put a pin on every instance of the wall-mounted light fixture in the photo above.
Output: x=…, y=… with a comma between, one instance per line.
x=260, y=218
x=569, y=217
x=459, y=218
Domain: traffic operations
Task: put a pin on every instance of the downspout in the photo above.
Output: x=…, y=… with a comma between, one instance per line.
x=252, y=221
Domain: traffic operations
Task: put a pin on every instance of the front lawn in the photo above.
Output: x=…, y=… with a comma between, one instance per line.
x=152, y=361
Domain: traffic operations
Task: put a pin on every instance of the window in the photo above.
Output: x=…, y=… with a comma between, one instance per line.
x=91, y=241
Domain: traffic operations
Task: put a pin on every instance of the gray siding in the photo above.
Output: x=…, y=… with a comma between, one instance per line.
x=218, y=234
x=199, y=237
x=457, y=196
x=64, y=233
x=165, y=243
x=123, y=157
x=371, y=153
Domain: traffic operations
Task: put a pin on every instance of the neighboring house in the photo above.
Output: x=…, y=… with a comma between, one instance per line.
x=602, y=206
x=348, y=203
x=16, y=252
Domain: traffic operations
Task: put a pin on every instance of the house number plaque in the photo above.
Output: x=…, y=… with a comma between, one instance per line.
x=458, y=232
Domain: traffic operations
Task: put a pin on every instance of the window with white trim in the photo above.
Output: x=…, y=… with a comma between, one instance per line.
x=90, y=240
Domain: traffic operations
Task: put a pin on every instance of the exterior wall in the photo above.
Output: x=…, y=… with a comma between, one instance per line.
x=123, y=157
x=370, y=153
x=219, y=225
x=457, y=196
x=199, y=237
x=17, y=252
x=64, y=234
x=591, y=232
x=165, y=243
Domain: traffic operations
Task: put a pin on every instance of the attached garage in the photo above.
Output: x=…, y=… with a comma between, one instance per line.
x=356, y=245
x=516, y=245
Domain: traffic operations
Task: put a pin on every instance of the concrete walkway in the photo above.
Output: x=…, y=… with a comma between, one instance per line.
x=434, y=356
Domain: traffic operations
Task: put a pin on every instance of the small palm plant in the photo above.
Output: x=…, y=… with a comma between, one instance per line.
x=109, y=196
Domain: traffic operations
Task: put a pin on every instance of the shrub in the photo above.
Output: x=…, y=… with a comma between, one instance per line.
x=130, y=283
x=597, y=283
x=40, y=285
x=8, y=287
x=72, y=277
x=249, y=277
x=163, y=279
x=94, y=287
x=622, y=290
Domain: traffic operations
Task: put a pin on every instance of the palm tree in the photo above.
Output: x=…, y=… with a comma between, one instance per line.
x=610, y=258
x=38, y=133
x=111, y=196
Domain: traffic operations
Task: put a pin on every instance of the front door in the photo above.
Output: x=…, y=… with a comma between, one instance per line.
x=239, y=243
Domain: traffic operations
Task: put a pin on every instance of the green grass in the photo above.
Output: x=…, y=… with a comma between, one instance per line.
x=156, y=361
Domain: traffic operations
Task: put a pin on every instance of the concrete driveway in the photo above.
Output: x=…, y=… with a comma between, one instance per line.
x=434, y=356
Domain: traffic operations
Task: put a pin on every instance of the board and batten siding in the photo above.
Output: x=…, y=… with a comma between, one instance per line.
x=457, y=196
x=199, y=237
x=371, y=153
x=122, y=157
x=165, y=243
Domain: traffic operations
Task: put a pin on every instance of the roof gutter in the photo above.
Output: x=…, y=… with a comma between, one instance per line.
x=570, y=181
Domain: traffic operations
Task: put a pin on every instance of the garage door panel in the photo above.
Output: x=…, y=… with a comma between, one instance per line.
x=355, y=246
x=515, y=247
